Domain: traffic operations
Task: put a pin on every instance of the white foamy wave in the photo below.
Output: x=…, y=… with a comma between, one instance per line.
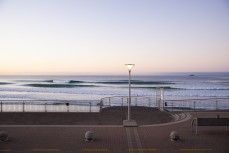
x=60, y=81
x=81, y=87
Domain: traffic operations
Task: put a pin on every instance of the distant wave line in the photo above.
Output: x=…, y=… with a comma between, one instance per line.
x=166, y=88
x=5, y=83
x=58, y=85
x=142, y=87
x=137, y=82
x=174, y=88
x=34, y=80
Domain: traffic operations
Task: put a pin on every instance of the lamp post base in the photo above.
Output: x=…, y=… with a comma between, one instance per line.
x=130, y=123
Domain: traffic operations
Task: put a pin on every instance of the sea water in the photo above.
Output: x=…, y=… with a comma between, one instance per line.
x=95, y=87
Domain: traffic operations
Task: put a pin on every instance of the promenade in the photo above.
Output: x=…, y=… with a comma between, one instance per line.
x=64, y=132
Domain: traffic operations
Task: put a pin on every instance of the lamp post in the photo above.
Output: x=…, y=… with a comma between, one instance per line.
x=129, y=66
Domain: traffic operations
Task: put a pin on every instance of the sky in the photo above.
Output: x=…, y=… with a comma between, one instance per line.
x=100, y=36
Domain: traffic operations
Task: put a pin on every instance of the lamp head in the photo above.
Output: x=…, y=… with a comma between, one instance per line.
x=129, y=66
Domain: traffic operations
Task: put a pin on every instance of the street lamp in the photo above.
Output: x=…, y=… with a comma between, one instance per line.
x=129, y=122
x=129, y=66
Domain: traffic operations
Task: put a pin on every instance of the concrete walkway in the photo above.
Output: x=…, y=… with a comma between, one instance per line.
x=117, y=139
x=108, y=116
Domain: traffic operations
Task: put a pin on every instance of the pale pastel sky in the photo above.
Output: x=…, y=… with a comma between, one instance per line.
x=100, y=36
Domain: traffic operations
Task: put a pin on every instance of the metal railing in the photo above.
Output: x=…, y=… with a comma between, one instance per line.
x=49, y=106
x=171, y=105
x=97, y=106
x=198, y=104
x=123, y=101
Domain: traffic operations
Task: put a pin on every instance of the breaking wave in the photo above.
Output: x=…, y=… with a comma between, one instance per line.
x=165, y=88
x=58, y=85
x=136, y=82
x=4, y=83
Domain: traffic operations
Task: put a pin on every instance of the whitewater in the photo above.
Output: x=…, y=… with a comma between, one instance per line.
x=95, y=87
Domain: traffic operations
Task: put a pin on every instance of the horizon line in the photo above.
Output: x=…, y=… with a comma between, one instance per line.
x=98, y=74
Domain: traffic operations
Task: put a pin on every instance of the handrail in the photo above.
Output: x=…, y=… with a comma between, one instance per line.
x=50, y=105
x=204, y=103
x=210, y=103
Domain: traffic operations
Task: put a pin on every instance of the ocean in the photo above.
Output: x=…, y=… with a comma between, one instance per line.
x=95, y=87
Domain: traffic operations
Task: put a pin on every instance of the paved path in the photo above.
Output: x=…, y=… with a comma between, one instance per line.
x=108, y=116
x=117, y=139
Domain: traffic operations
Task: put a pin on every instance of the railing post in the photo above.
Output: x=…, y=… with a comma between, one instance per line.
x=30, y=107
x=149, y=102
x=1, y=106
x=122, y=101
x=109, y=101
x=228, y=104
x=136, y=102
x=216, y=104
x=14, y=107
x=184, y=104
x=23, y=106
x=194, y=103
x=101, y=106
x=45, y=108
x=172, y=106
x=90, y=107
